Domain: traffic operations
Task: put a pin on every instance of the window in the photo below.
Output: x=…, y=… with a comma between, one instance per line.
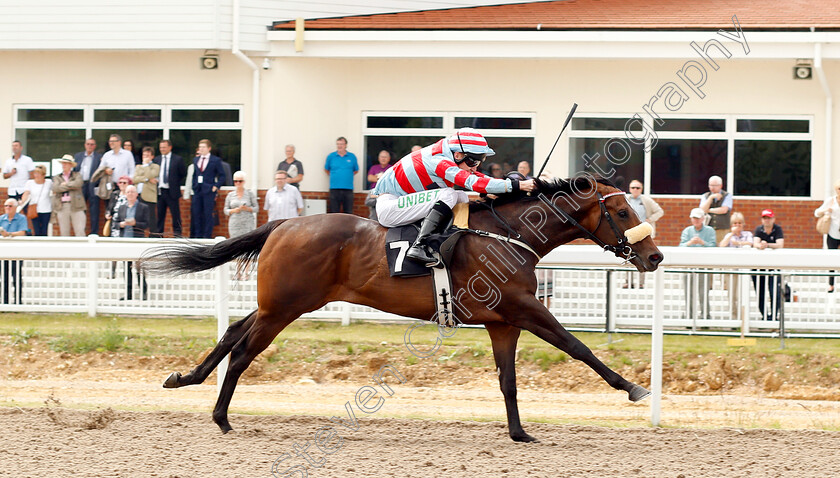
x=49, y=131
x=755, y=156
x=511, y=135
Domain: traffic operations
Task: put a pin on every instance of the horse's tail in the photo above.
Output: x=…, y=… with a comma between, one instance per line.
x=187, y=258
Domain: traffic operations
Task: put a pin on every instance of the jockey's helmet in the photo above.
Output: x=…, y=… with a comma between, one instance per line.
x=471, y=143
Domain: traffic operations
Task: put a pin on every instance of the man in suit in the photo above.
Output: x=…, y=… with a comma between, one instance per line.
x=172, y=174
x=208, y=177
x=87, y=162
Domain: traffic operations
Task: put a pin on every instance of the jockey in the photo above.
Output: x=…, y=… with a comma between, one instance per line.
x=420, y=186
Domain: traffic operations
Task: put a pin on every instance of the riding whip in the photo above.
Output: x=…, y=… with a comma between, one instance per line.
x=568, y=118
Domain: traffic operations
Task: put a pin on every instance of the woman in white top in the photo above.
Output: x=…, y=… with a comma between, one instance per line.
x=37, y=194
x=831, y=206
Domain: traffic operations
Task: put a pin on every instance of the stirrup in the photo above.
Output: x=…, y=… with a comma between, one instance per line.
x=429, y=260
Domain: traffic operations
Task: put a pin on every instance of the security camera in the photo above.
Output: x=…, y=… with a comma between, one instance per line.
x=266, y=65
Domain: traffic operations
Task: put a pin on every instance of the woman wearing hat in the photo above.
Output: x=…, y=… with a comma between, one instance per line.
x=420, y=186
x=68, y=202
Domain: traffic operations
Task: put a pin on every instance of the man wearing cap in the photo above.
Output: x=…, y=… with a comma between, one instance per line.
x=12, y=224
x=68, y=202
x=768, y=235
x=718, y=204
x=18, y=169
x=420, y=186
x=697, y=234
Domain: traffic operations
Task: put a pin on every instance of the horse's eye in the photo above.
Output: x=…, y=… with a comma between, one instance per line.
x=622, y=213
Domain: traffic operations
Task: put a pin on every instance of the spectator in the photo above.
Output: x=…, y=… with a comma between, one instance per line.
x=128, y=145
x=118, y=198
x=12, y=224
x=88, y=162
x=208, y=175
x=292, y=166
x=131, y=220
x=228, y=181
x=496, y=171
x=282, y=201
x=146, y=180
x=341, y=166
x=241, y=206
x=172, y=174
x=375, y=172
x=118, y=162
x=416, y=147
x=697, y=235
x=831, y=206
x=37, y=194
x=524, y=169
x=718, y=204
x=738, y=237
x=648, y=210
x=18, y=169
x=68, y=202
x=768, y=235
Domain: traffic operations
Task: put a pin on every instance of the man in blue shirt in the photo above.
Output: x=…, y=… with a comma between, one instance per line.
x=697, y=234
x=12, y=224
x=341, y=166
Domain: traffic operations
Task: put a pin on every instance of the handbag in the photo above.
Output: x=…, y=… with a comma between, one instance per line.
x=106, y=229
x=824, y=223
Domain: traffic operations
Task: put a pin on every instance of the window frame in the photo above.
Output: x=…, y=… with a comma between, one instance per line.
x=730, y=135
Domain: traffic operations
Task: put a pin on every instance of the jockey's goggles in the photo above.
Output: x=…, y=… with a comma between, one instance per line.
x=471, y=159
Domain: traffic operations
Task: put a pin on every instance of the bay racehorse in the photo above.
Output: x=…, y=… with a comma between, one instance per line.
x=306, y=262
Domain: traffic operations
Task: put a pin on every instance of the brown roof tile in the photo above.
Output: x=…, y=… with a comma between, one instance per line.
x=601, y=15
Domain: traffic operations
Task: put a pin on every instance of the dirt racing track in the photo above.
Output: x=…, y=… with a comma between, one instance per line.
x=53, y=440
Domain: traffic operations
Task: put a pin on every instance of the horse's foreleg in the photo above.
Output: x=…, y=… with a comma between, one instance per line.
x=504, y=339
x=534, y=317
x=197, y=375
x=255, y=340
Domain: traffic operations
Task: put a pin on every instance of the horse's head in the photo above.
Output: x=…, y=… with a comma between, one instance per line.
x=584, y=207
x=619, y=229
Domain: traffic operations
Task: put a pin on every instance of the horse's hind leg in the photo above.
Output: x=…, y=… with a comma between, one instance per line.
x=504, y=338
x=197, y=375
x=534, y=317
x=255, y=340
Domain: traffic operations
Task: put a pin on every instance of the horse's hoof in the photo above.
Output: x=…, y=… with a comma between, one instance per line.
x=172, y=380
x=638, y=393
x=523, y=438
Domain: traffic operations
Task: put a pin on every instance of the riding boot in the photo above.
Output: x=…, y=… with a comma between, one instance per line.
x=436, y=221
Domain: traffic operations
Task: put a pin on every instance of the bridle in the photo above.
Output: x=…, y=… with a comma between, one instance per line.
x=622, y=248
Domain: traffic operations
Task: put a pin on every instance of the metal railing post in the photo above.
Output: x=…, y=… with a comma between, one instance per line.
x=656, y=345
x=780, y=301
x=92, y=280
x=610, y=315
x=222, y=317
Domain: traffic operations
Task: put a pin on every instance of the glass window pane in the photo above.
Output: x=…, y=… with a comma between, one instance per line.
x=773, y=168
x=620, y=174
x=140, y=138
x=773, y=126
x=127, y=116
x=205, y=116
x=604, y=124
x=227, y=144
x=34, y=114
x=397, y=146
x=509, y=153
x=692, y=125
x=405, y=122
x=493, y=123
x=47, y=144
x=683, y=166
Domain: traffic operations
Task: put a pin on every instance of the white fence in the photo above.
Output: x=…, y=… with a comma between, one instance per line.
x=583, y=285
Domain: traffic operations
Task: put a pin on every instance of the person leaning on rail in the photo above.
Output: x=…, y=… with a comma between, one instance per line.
x=831, y=207
x=12, y=223
x=432, y=172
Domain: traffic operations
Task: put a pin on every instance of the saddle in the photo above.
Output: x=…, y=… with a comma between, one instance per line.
x=399, y=239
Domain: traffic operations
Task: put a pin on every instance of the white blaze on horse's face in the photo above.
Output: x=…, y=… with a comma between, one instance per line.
x=638, y=233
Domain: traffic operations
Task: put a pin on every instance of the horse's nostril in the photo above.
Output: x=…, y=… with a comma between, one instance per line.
x=655, y=258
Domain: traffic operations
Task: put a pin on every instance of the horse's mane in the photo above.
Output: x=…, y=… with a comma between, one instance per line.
x=548, y=187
